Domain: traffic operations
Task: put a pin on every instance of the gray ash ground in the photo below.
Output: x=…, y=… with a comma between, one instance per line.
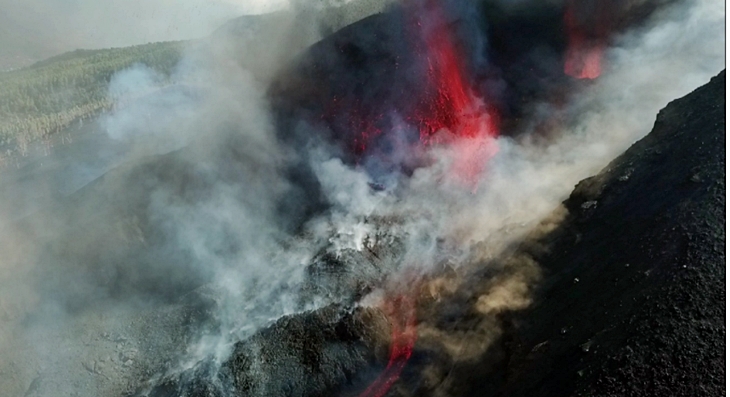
x=311, y=354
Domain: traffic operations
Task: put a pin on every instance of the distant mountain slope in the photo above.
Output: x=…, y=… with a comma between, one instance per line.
x=33, y=30
x=45, y=97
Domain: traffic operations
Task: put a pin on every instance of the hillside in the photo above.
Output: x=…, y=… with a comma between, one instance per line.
x=46, y=97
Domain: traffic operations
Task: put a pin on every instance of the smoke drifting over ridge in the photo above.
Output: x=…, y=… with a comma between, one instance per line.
x=213, y=206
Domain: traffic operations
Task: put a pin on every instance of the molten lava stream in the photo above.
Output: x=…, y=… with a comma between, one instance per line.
x=452, y=106
x=401, y=313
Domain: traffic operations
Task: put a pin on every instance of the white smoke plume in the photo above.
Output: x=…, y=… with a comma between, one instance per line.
x=94, y=293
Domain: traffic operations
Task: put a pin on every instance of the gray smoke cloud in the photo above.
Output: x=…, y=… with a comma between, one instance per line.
x=97, y=287
x=184, y=248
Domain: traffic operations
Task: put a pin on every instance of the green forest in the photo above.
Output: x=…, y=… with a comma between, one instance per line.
x=48, y=96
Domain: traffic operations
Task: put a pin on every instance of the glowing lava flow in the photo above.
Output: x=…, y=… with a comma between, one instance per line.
x=453, y=107
x=447, y=113
x=443, y=109
x=401, y=314
x=472, y=124
x=585, y=44
x=470, y=128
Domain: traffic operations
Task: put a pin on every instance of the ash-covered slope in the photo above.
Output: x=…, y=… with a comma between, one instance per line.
x=311, y=354
x=633, y=300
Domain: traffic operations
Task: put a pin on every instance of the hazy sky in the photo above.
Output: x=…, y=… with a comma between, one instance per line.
x=32, y=30
x=123, y=22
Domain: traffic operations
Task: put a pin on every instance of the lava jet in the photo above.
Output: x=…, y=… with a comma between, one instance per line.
x=430, y=72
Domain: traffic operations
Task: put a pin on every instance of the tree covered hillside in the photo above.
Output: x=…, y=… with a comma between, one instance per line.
x=45, y=97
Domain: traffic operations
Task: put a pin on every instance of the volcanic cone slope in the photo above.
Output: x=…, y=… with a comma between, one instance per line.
x=633, y=299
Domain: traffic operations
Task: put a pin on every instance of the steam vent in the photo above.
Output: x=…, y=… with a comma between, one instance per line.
x=365, y=198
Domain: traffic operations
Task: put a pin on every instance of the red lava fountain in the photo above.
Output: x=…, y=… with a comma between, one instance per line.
x=453, y=107
x=445, y=110
x=587, y=33
x=401, y=313
x=450, y=115
x=472, y=124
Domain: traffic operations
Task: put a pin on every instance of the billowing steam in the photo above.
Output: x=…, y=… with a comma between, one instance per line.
x=219, y=203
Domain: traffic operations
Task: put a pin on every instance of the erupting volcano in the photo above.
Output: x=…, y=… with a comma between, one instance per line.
x=346, y=198
x=451, y=105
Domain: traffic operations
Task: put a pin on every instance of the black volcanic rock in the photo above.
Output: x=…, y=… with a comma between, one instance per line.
x=315, y=353
x=309, y=355
x=633, y=299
